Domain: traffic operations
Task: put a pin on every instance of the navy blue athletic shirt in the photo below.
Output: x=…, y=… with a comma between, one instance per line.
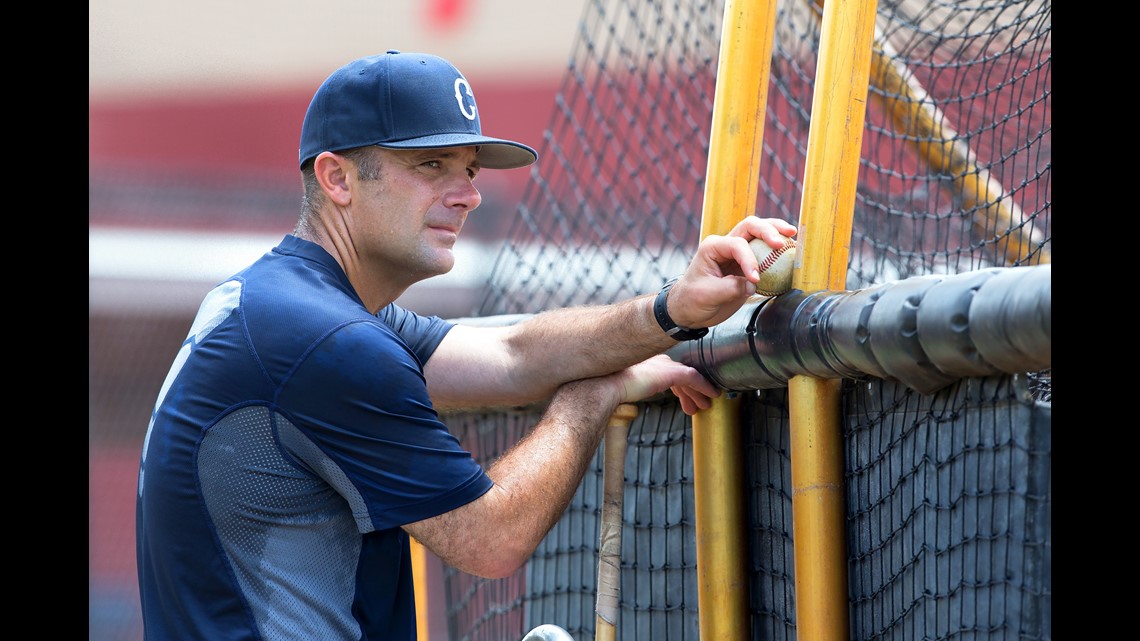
x=291, y=439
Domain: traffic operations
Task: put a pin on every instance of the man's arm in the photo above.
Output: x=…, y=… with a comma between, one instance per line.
x=523, y=363
x=534, y=481
x=519, y=364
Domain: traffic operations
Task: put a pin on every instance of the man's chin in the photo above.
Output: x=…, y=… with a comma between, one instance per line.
x=440, y=266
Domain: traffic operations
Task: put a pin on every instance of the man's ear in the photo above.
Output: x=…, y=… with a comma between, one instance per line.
x=332, y=172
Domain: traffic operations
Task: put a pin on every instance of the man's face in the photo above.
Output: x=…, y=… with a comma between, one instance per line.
x=406, y=221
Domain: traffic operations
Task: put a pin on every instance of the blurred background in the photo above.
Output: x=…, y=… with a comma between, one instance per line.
x=194, y=117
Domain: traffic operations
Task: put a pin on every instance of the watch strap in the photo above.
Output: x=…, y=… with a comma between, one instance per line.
x=661, y=313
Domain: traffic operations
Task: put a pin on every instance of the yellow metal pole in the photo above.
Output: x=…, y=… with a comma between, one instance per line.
x=420, y=585
x=830, y=178
x=818, y=509
x=730, y=192
x=722, y=549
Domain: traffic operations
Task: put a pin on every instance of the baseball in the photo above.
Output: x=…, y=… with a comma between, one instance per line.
x=775, y=266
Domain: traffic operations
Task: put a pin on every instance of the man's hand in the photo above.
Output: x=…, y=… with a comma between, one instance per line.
x=659, y=373
x=723, y=273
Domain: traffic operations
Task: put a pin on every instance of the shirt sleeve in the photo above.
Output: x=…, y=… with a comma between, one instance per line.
x=361, y=396
x=422, y=333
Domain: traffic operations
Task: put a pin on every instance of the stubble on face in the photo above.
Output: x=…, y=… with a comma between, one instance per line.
x=412, y=213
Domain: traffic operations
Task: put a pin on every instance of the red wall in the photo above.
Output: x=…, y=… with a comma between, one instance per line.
x=260, y=132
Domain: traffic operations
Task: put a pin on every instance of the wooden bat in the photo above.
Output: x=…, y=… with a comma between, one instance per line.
x=609, y=552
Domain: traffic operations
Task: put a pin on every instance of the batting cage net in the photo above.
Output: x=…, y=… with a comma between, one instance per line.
x=947, y=492
x=946, y=432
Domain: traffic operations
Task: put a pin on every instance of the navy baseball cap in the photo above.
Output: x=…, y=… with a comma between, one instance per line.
x=402, y=101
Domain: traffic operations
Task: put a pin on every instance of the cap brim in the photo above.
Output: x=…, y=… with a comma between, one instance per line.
x=494, y=153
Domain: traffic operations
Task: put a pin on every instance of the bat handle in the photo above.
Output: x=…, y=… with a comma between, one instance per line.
x=609, y=553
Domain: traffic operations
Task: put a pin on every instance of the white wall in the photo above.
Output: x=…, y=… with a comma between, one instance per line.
x=175, y=46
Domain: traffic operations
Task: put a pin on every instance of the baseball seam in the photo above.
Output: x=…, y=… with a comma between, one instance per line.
x=770, y=260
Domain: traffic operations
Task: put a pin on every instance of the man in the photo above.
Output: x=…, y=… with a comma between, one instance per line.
x=295, y=444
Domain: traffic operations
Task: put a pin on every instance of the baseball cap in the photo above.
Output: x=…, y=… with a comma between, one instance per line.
x=402, y=101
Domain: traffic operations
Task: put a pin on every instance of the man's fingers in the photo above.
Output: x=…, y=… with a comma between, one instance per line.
x=771, y=230
x=691, y=403
x=660, y=373
x=730, y=255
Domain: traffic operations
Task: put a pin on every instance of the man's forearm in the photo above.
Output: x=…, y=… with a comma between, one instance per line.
x=581, y=342
x=524, y=363
x=534, y=481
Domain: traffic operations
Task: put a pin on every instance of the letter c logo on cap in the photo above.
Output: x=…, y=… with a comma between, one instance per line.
x=463, y=89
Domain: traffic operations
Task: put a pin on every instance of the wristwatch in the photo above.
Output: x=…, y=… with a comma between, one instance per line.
x=661, y=313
